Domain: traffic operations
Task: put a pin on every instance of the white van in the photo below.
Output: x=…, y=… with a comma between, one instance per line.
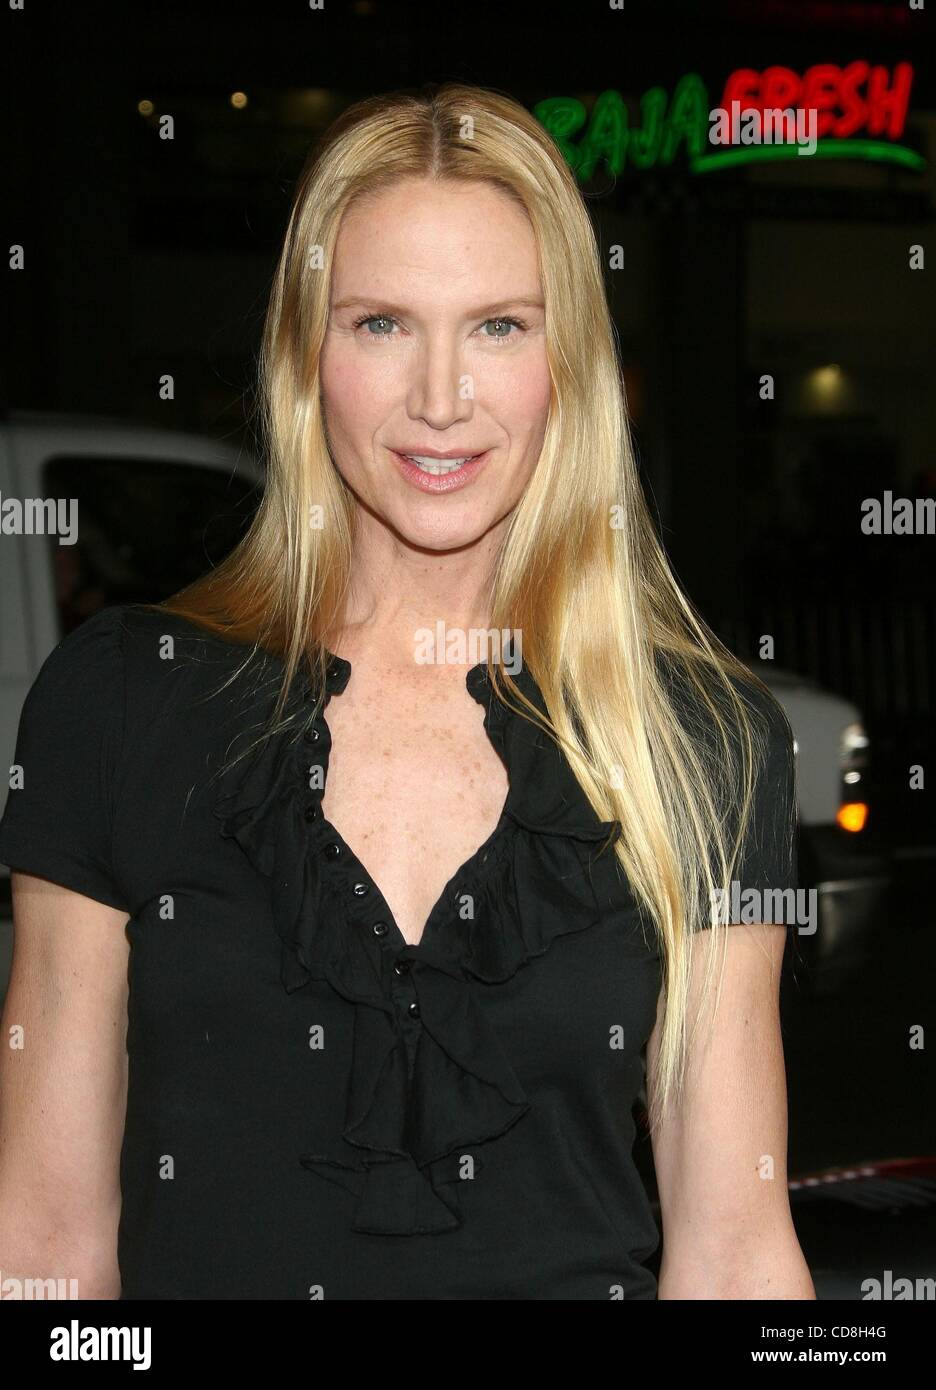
x=157, y=508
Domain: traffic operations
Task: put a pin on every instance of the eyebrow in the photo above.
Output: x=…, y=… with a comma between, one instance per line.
x=526, y=301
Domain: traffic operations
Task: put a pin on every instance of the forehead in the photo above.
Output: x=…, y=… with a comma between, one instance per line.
x=447, y=236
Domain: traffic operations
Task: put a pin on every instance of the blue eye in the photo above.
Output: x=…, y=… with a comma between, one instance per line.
x=375, y=318
x=511, y=323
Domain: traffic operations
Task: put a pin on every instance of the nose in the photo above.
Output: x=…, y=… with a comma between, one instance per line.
x=440, y=392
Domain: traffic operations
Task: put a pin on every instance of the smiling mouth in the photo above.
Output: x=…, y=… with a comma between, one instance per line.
x=438, y=467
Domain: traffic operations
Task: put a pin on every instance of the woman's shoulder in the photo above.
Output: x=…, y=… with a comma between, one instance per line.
x=105, y=635
x=84, y=668
x=698, y=693
x=768, y=858
x=138, y=665
x=160, y=645
x=122, y=720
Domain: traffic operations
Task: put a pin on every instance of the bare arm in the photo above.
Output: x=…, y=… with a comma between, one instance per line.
x=63, y=1088
x=727, y=1228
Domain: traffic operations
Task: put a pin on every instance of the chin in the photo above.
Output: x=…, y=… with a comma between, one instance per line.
x=444, y=537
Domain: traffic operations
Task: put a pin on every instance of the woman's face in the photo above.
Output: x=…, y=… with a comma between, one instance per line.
x=436, y=346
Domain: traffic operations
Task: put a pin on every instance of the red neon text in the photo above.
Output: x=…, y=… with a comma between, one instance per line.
x=847, y=99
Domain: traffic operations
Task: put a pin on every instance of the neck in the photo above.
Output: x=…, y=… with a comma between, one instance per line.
x=403, y=600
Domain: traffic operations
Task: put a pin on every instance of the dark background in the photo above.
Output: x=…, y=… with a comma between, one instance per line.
x=147, y=257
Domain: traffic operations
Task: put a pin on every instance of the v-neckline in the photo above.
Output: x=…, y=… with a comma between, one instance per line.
x=340, y=669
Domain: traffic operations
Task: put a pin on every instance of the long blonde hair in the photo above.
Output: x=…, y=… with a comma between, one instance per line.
x=581, y=573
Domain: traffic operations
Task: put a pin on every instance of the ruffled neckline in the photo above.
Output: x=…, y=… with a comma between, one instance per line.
x=410, y=1121
x=544, y=794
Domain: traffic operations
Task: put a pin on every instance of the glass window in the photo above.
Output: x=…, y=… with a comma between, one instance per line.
x=144, y=528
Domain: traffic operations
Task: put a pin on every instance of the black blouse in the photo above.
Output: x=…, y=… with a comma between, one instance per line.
x=315, y=1107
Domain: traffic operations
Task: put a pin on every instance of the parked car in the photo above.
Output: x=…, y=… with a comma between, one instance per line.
x=832, y=751
x=839, y=857
x=112, y=512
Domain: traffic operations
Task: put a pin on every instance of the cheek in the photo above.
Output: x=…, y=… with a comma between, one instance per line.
x=353, y=392
x=523, y=403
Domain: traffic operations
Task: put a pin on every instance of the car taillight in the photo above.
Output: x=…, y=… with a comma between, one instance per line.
x=852, y=814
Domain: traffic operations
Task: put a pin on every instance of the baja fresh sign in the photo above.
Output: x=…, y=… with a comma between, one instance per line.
x=853, y=112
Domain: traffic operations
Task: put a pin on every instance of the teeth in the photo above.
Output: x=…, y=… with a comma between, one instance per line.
x=437, y=466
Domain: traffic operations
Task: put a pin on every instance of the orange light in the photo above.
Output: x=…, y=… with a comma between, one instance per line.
x=852, y=815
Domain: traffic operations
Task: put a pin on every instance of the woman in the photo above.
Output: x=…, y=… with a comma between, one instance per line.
x=411, y=809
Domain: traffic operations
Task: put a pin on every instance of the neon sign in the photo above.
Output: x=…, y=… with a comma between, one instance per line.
x=860, y=112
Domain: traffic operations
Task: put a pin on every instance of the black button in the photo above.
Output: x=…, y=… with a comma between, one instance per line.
x=311, y=735
x=360, y=889
x=413, y=1010
x=311, y=812
x=401, y=967
x=380, y=929
x=332, y=850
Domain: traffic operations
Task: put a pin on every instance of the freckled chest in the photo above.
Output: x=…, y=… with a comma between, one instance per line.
x=414, y=786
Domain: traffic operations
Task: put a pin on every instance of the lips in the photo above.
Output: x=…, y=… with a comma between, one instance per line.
x=438, y=467
x=435, y=472
x=440, y=454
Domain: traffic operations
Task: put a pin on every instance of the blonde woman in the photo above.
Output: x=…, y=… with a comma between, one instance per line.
x=415, y=812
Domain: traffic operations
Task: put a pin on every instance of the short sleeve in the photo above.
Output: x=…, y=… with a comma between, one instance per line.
x=768, y=860
x=764, y=881
x=58, y=819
